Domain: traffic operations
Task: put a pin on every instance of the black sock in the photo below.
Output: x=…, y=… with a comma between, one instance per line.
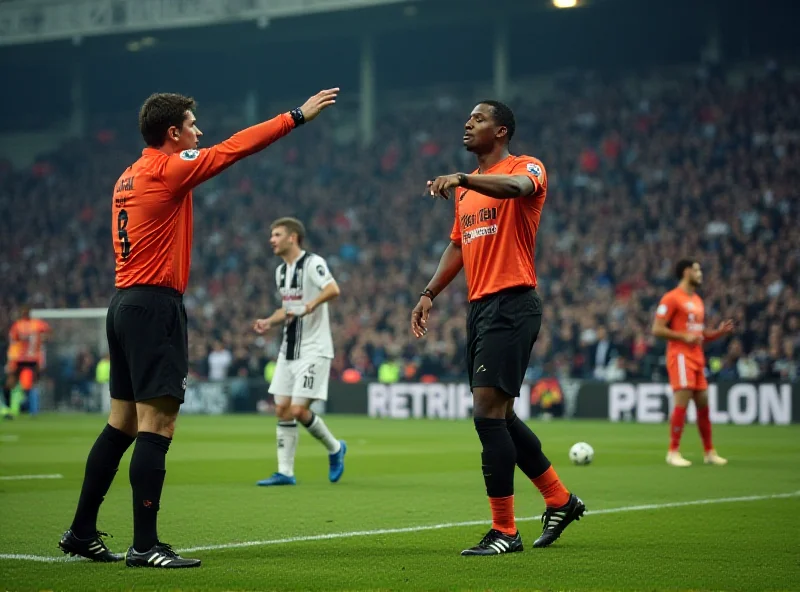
x=101, y=466
x=147, y=479
x=530, y=458
x=499, y=456
x=7, y=396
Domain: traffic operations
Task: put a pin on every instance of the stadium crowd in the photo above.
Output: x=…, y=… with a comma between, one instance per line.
x=642, y=172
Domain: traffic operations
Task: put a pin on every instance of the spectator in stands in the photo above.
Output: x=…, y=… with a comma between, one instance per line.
x=219, y=361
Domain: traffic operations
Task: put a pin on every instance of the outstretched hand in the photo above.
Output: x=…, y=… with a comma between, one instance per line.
x=441, y=186
x=726, y=327
x=318, y=103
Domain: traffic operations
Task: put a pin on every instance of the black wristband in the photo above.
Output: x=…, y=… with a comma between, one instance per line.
x=297, y=116
x=462, y=179
x=427, y=292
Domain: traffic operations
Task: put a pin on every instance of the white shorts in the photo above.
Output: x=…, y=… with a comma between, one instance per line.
x=301, y=379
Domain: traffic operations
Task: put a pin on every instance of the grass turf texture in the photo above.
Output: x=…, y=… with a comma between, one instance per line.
x=403, y=474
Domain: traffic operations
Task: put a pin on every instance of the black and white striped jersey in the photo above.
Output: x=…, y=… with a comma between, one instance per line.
x=299, y=283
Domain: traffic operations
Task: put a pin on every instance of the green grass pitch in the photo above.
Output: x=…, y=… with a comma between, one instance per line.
x=397, y=519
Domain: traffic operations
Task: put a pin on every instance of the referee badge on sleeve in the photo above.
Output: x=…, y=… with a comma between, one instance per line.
x=535, y=170
x=190, y=154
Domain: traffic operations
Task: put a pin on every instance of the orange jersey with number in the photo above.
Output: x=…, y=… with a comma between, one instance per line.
x=26, y=342
x=151, y=222
x=684, y=313
x=498, y=236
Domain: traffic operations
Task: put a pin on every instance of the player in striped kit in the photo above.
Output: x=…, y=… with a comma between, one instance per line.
x=301, y=376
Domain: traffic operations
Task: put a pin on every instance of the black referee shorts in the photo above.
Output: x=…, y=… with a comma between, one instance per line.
x=148, y=344
x=501, y=331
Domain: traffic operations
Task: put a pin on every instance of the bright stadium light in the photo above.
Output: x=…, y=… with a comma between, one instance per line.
x=565, y=3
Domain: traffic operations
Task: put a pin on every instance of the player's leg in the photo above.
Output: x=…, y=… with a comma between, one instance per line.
x=151, y=325
x=26, y=395
x=683, y=384
x=17, y=390
x=33, y=391
x=286, y=433
x=677, y=422
x=490, y=345
x=103, y=461
x=157, y=418
x=10, y=381
x=710, y=456
x=286, y=436
x=312, y=385
x=498, y=461
x=561, y=506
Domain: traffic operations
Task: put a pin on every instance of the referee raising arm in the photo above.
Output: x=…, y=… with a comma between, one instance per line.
x=151, y=228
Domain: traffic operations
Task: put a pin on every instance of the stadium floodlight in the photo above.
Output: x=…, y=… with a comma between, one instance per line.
x=565, y=3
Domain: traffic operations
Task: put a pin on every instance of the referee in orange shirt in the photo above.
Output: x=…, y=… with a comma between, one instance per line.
x=497, y=212
x=146, y=325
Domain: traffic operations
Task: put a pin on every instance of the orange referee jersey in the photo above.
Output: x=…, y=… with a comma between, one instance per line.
x=498, y=236
x=151, y=221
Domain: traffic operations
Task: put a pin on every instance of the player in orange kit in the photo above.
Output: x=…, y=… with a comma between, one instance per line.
x=680, y=320
x=26, y=357
x=498, y=208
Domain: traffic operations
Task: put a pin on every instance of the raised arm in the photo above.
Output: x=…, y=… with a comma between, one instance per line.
x=189, y=168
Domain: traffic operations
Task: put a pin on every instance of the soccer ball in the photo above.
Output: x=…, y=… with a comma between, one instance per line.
x=581, y=453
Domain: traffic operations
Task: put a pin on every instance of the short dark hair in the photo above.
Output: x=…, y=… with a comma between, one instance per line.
x=293, y=225
x=160, y=112
x=682, y=266
x=503, y=116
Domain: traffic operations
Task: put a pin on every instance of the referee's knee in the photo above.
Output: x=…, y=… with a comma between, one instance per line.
x=158, y=415
x=489, y=402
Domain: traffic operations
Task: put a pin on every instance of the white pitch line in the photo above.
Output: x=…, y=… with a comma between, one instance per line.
x=26, y=477
x=37, y=558
x=383, y=531
x=346, y=535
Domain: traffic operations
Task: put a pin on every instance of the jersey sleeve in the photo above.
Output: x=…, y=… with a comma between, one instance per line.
x=186, y=170
x=666, y=308
x=534, y=170
x=455, y=233
x=319, y=273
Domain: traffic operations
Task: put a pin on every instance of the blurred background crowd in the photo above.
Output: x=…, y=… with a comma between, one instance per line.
x=646, y=166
